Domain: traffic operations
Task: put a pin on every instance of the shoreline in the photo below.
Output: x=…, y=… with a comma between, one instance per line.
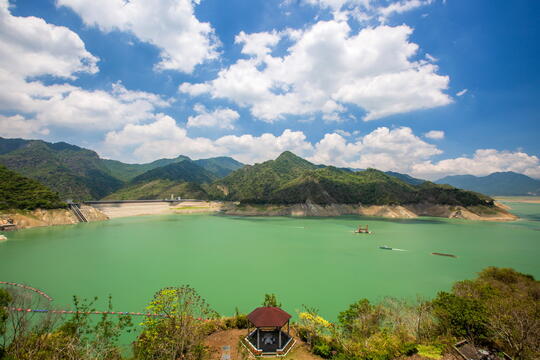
x=518, y=199
x=101, y=212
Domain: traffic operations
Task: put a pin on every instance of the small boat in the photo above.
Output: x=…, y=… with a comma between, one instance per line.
x=443, y=254
x=385, y=247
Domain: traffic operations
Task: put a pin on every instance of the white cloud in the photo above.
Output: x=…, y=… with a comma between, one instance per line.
x=31, y=47
x=435, y=134
x=385, y=149
x=431, y=58
x=219, y=118
x=164, y=138
x=462, y=92
x=483, y=162
x=368, y=10
x=327, y=68
x=170, y=25
x=258, y=44
x=19, y=127
x=400, y=7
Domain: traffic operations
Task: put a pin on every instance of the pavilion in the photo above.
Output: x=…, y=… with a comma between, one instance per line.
x=268, y=338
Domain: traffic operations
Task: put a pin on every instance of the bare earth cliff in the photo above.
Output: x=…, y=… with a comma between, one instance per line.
x=387, y=211
x=36, y=218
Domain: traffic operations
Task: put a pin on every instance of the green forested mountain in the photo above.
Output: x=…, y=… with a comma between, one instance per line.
x=127, y=172
x=159, y=189
x=290, y=179
x=500, y=183
x=407, y=178
x=79, y=174
x=219, y=166
x=184, y=171
x=182, y=179
x=19, y=192
x=71, y=171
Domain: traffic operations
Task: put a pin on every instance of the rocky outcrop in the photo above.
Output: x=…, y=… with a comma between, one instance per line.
x=36, y=218
x=386, y=211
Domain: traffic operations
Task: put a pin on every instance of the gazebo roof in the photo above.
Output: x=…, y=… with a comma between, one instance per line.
x=268, y=317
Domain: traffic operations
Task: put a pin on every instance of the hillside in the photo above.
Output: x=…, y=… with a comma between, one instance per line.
x=182, y=179
x=219, y=166
x=184, y=171
x=407, y=178
x=500, y=183
x=127, y=172
x=71, y=171
x=290, y=179
x=80, y=174
x=159, y=189
x=19, y=192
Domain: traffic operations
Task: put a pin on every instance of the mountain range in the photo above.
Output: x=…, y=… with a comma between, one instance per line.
x=499, y=183
x=290, y=179
x=80, y=174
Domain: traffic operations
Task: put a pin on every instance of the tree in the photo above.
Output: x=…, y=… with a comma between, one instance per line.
x=179, y=331
x=361, y=319
x=271, y=300
x=461, y=317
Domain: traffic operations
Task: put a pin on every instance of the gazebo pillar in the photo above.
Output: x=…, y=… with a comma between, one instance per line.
x=279, y=331
x=258, y=345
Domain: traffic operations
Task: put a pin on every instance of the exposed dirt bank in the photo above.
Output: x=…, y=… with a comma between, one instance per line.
x=161, y=208
x=388, y=211
x=520, y=199
x=35, y=218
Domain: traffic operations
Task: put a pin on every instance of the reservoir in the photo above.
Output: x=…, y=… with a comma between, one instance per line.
x=233, y=261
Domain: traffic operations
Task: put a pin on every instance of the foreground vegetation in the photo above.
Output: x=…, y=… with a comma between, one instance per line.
x=499, y=310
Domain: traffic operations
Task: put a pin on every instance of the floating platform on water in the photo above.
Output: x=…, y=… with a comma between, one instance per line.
x=443, y=254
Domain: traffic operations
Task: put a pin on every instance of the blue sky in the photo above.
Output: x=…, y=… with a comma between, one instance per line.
x=426, y=87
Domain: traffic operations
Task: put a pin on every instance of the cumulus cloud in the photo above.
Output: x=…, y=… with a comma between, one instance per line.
x=462, y=92
x=326, y=69
x=219, y=118
x=386, y=149
x=164, y=138
x=19, y=127
x=170, y=25
x=483, y=162
x=435, y=134
x=368, y=10
x=31, y=47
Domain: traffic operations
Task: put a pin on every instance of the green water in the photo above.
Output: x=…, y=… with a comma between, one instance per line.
x=234, y=261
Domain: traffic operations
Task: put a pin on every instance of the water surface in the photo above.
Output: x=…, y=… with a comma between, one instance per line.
x=234, y=261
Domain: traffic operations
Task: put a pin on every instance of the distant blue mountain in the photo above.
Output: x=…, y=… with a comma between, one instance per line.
x=499, y=183
x=404, y=177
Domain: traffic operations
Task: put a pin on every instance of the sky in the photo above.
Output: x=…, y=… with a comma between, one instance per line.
x=425, y=87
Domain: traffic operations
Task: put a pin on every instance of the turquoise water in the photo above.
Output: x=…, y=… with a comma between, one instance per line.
x=234, y=261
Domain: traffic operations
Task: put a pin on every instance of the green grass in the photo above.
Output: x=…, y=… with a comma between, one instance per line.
x=430, y=351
